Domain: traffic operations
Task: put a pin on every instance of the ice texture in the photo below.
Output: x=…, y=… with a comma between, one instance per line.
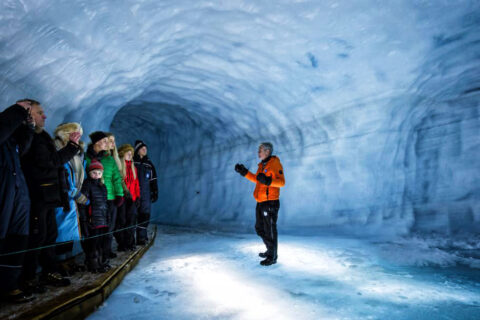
x=190, y=274
x=372, y=106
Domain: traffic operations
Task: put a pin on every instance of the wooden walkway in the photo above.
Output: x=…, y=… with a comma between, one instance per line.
x=86, y=293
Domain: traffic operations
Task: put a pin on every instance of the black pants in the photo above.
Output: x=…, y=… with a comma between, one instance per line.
x=11, y=265
x=112, y=220
x=64, y=247
x=43, y=232
x=143, y=220
x=93, y=247
x=14, y=228
x=126, y=218
x=266, y=214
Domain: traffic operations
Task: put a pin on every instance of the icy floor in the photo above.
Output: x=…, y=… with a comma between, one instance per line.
x=208, y=275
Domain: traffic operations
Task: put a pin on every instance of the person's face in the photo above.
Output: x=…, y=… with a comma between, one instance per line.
x=262, y=153
x=102, y=144
x=38, y=115
x=96, y=174
x=128, y=156
x=143, y=151
x=111, y=143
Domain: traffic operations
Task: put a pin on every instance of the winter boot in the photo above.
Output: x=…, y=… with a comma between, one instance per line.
x=17, y=296
x=55, y=279
x=33, y=286
x=268, y=261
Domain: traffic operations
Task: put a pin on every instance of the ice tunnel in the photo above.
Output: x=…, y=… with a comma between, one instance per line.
x=373, y=107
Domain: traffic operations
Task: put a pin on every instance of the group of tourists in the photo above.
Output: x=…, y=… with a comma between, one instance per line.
x=53, y=192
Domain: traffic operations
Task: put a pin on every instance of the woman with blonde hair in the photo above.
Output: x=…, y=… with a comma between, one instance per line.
x=112, y=149
x=127, y=213
x=67, y=216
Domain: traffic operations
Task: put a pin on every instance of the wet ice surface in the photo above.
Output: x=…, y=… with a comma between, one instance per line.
x=190, y=274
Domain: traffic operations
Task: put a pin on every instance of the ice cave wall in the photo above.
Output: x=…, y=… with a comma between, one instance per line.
x=372, y=106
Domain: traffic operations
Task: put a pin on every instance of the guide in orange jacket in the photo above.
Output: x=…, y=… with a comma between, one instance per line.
x=269, y=179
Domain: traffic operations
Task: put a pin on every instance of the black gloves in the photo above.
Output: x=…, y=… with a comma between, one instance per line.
x=240, y=168
x=263, y=179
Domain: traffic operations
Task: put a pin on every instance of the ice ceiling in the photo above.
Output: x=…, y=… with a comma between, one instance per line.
x=372, y=106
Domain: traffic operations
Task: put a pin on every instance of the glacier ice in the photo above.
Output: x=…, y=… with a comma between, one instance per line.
x=189, y=274
x=373, y=107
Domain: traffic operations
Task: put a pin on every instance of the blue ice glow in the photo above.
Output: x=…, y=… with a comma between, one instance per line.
x=372, y=107
x=201, y=275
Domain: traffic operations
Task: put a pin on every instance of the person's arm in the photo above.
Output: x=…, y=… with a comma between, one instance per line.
x=126, y=192
x=137, y=184
x=10, y=119
x=153, y=184
x=278, y=178
x=83, y=207
x=80, y=198
x=72, y=188
x=24, y=136
x=83, y=212
x=240, y=168
x=117, y=181
x=250, y=176
x=56, y=159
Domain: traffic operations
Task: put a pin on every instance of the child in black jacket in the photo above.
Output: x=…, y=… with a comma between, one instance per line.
x=93, y=218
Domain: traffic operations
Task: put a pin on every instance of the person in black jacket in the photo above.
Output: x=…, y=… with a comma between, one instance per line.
x=147, y=177
x=45, y=174
x=15, y=139
x=93, y=218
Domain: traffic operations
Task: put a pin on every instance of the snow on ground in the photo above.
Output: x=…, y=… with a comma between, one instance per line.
x=192, y=274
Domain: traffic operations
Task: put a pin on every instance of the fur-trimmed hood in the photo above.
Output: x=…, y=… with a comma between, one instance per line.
x=62, y=133
x=62, y=136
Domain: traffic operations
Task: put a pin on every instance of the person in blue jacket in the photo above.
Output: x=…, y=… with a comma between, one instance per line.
x=67, y=218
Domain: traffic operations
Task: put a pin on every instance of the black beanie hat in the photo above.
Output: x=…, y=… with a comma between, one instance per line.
x=97, y=136
x=139, y=144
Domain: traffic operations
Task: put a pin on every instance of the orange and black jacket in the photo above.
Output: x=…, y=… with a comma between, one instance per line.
x=271, y=167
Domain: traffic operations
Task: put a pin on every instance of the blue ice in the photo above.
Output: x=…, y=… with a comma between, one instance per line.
x=373, y=108
x=194, y=274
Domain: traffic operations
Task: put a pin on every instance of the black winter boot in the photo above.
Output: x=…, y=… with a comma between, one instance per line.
x=55, y=279
x=17, y=296
x=268, y=262
x=33, y=286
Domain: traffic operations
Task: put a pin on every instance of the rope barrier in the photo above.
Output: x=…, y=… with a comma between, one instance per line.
x=81, y=239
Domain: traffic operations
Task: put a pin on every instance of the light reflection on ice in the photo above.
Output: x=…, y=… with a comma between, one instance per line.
x=217, y=276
